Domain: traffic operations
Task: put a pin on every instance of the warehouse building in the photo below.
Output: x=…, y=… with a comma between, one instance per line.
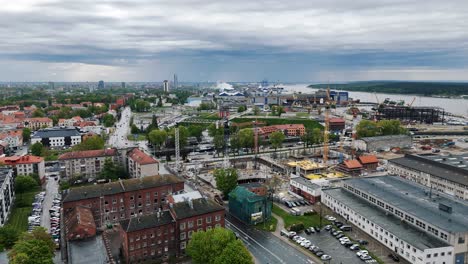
x=383, y=143
x=405, y=217
x=447, y=174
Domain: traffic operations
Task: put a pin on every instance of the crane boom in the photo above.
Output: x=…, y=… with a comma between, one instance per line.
x=327, y=127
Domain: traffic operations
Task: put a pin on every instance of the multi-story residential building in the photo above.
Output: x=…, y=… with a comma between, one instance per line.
x=57, y=137
x=26, y=165
x=447, y=174
x=69, y=122
x=166, y=233
x=36, y=123
x=88, y=163
x=141, y=164
x=7, y=194
x=14, y=138
x=421, y=225
x=195, y=215
x=123, y=199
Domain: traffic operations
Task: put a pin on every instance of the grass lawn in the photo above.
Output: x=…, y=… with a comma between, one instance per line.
x=22, y=209
x=302, y=115
x=307, y=220
x=269, y=226
x=210, y=116
x=140, y=137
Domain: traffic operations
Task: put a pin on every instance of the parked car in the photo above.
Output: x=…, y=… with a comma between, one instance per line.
x=325, y=257
x=319, y=253
x=362, y=252
x=363, y=242
x=354, y=247
x=328, y=227
x=394, y=257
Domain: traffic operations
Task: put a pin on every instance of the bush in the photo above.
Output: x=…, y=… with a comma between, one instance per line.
x=309, y=213
x=297, y=227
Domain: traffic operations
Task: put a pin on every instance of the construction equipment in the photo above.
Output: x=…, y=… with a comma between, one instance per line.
x=327, y=127
x=412, y=102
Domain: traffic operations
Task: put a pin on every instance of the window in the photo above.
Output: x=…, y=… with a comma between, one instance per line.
x=182, y=236
x=461, y=240
x=190, y=224
x=218, y=218
x=199, y=221
x=182, y=245
x=208, y=219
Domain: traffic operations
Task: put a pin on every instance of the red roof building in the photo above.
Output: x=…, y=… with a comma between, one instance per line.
x=369, y=162
x=350, y=167
x=141, y=164
x=88, y=163
x=79, y=224
x=26, y=165
x=337, y=124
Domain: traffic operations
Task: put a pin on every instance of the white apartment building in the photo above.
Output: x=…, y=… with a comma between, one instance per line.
x=88, y=163
x=447, y=174
x=7, y=194
x=141, y=164
x=26, y=165
x=421, y=226
x=57, y=137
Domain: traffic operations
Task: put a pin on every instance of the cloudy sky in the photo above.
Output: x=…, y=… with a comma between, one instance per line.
x=298, y=40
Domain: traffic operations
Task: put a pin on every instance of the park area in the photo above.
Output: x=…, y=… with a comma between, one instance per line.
x=21, y=210
x=306, y=220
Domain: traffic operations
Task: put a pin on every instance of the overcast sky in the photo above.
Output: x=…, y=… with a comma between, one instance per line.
x=233, y=40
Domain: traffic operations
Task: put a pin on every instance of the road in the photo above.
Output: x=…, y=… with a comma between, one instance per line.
x=51, y=191
x=266, y=247
x=119, y=139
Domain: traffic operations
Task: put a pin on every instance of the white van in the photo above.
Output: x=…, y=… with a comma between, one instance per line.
x=284, y=232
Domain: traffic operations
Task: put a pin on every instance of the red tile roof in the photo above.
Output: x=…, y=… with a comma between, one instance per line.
x=337, y=120
x=140, y=157
x=39, y=119
x=352, y=164
x=88, y=154
x=28, y=159
x=368, y=159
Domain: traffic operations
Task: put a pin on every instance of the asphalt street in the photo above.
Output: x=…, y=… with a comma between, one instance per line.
x=51, y=191
x=119, y=139
x=266, y=248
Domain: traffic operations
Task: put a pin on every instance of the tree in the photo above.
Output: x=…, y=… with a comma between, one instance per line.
x=241, y=109
x=24, y=184
x=157, y=137
x=36, y=247
x=246, y=138
x=256, y=110
x=26, y=134
x=366, y=128
x=235, y=142
x=110, y=171
x=183, y=135
x=207, y=247
x=8, y=236
x=160, y=104
x=234, y=252
x=196, y=131
x=108, y=120
x=219, y=143
x=226, y=180
x=134, y=129
x=37, y=149
x=91, y=143
x=38, y=113
x=276, y=139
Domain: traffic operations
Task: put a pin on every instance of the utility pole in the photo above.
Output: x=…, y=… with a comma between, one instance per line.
x=177, y=149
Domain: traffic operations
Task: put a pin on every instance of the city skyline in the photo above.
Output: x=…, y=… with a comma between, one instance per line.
x=209, y=41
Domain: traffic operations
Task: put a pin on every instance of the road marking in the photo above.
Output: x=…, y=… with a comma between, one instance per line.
x=266, y=249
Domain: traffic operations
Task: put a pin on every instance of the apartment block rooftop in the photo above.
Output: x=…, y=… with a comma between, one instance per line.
x=443, y=211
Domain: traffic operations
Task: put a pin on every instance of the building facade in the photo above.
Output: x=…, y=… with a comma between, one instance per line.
x=88, y=163
x=141, y=164
x=57, y=137
x=26, y=165
x=383, y=143
x=420, y=226
x=305, y=188
x=124, y=199
x=36, y=123
x=7, y=194
x=249, y=207
x=447, y=174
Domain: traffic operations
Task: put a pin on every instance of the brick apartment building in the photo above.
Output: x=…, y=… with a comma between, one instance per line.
x=166, y=233
x=120, y=200
x=292, y=130
x=88, y=163
x=141, y=164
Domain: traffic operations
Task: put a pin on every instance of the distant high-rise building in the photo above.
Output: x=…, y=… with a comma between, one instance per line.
x=176, y=82
x=100, y=85
x=166, y=86
x=123, y=85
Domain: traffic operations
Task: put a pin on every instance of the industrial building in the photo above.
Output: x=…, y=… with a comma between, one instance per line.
x=420, y=226
x=420, y=114
x=383, y=143
x=249, y=207
x=447, y=174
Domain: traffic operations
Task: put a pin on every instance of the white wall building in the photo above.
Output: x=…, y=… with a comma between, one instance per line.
x=7, y=194
x=447, y=174
x=57, y=137
x=421, y=227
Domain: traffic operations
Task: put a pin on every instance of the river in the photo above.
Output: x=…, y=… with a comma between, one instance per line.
x=454, y=106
